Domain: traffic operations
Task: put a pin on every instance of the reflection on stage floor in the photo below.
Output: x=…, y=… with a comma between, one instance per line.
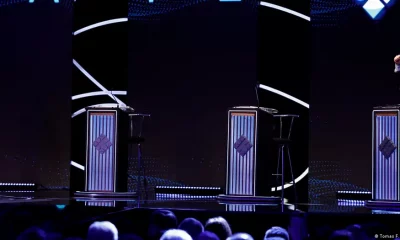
x=183, y=202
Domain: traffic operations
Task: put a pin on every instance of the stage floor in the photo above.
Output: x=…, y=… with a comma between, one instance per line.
x=182, y=202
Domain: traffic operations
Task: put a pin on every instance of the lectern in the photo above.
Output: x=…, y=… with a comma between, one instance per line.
x=251, y=154
x=385, y=157
x=104, y=156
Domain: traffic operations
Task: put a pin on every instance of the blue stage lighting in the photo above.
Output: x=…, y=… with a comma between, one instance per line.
x=60, y=206
x=55, y=1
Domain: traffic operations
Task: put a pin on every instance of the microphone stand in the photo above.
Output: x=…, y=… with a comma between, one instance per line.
x=138, y=140
x=258, y=99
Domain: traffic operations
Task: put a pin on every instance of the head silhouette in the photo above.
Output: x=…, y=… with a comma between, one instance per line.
x=33, y=233
x=160, y=222
x=219, y=226
x=207, y=236
x=276, y=233
x=192, y=226
x=240, y=236
x=176, y=234
x=102, y=231
x=341, y=235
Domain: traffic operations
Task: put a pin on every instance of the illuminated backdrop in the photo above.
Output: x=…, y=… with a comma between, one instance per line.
x=38, y=35
x=352, y=72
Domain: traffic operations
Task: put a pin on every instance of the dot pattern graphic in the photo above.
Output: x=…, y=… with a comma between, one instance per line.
x=156, y=175
x=324, y=13
x=66, y=4
x=144, y=11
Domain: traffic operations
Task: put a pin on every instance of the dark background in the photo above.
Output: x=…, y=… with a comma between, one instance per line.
x=352, y=71
x=35, y=73
x=187, y=68
x=36, y=51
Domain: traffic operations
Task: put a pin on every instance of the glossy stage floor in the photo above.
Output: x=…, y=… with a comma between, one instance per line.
x=328, y=204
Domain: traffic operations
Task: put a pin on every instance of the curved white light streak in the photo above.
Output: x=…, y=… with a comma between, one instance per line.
x=118, y=20
x=296, y=100
x=92, y=94
x=99, y=24
x=276, y=91
x=285, y=95
x=93, y=80
x=287, y=10
x=287, y=185
x=105, y=105
x=77, y=165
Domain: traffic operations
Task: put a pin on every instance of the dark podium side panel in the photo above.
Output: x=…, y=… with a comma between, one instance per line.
x=252, y=154
x=100, y=151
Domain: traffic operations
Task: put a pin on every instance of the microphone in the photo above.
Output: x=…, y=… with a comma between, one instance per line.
x=122, y=107
x=258, y=99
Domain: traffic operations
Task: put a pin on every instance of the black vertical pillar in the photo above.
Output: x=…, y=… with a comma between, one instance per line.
x=100, y=65
x=283, y=66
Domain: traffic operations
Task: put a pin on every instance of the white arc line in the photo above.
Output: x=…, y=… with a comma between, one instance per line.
x=105, y=105
x=276, y=91
x=77, y=165
x=285, y=95
x=296, y=100
x=99, y=24
x=98, y=93
x=287, y=10
x=298, y=179
x=97, y=83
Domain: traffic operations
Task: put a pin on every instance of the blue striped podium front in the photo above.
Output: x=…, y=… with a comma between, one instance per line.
x=251, y=153
x=242, y=144
x=385, y=155
x=101, y=151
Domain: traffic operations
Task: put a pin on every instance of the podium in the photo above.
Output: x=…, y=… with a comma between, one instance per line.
x=251, y=155
x=104, y=155
x=385, y=158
